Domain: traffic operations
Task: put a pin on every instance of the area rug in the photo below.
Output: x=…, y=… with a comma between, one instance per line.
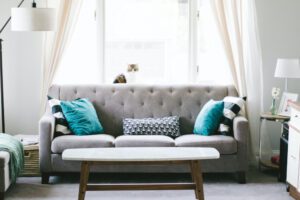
x=260, y=186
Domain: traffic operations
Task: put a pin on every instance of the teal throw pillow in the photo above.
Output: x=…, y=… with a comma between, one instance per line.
x=209, y=118
x=81, y=117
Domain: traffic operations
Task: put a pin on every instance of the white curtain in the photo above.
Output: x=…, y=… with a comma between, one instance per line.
x=55, y=43
x=237, y=23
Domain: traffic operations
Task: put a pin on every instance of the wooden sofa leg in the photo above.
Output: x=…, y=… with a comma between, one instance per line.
x=45, y=178
x=241, y=177
x=1, y=195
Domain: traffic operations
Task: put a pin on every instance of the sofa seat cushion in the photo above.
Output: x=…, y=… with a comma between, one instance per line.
x=144, y=141
x=224, y=144
x=59, y=144
x=4, y=158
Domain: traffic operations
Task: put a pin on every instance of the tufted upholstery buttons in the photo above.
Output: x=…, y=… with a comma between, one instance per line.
x=180, y=103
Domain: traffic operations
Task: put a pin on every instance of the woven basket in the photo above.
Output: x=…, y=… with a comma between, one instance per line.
x=31, y=165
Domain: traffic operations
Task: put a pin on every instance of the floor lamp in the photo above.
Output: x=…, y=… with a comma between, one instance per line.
x=25, y=19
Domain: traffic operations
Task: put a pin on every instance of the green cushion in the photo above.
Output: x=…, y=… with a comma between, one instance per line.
x=82, y=117
x=209, y=118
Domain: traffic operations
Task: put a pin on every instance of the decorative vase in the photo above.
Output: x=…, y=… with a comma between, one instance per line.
x=273, y=107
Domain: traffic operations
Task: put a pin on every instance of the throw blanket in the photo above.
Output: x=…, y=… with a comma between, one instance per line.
x=15, y=148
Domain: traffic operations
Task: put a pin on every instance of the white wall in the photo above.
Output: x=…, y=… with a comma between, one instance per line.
x=22, y=57
x=279, y=27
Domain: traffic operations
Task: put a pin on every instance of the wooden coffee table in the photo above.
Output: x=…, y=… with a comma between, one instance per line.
x=141, y=155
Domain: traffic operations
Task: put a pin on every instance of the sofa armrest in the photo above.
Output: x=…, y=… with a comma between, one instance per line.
x=4, y=171
x=240, y=129
x=4, y=158
x=46, y=132
x=241, y=134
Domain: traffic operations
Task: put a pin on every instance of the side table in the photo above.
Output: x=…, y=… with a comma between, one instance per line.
x=269, y=117
x=31, y=155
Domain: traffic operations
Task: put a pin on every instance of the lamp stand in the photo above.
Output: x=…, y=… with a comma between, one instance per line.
x=286, y=85
x=1, y=87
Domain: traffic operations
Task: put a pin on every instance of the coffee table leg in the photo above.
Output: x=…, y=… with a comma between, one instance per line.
x=193, y=178
x=197, y=178
x=84, y=176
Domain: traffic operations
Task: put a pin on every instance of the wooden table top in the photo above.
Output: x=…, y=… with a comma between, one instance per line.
x=269, y=116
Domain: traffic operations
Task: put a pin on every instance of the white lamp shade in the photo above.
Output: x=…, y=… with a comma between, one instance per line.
x=33, y=19
x=287, y=68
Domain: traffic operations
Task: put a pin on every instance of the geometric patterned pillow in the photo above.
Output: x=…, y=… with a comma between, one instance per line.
x=232, y=106
x=168, y=126
x=61, y=124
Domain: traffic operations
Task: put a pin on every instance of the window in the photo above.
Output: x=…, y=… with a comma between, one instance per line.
x=168, y=41
x=79, y=64
x=151, y=33
x=212, y=64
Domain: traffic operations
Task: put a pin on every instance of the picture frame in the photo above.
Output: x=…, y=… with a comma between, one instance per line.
x=284, y=108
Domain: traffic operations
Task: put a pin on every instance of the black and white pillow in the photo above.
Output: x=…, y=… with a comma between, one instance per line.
x=168, y=126
x=61, y=124
x=232, y=106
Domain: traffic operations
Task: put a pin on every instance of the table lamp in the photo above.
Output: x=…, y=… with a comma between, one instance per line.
x=26, y=19
x=287, y=68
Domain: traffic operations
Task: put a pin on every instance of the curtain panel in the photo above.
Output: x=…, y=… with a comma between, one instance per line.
x=55, y=43
x=237, y=25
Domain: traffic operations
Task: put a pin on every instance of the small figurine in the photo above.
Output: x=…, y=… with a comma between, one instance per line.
x=120, y=79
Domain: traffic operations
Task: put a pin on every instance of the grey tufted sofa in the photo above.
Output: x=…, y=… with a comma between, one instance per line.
x=115, y=102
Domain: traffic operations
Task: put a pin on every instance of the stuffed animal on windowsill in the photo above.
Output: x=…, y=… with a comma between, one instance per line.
x=120, y=79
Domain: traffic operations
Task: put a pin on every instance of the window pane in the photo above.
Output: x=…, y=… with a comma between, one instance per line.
x=79, y=64
x=213, y=65
x=151, y=33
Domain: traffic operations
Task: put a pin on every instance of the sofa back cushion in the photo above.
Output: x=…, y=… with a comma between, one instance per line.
x=113, y=102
